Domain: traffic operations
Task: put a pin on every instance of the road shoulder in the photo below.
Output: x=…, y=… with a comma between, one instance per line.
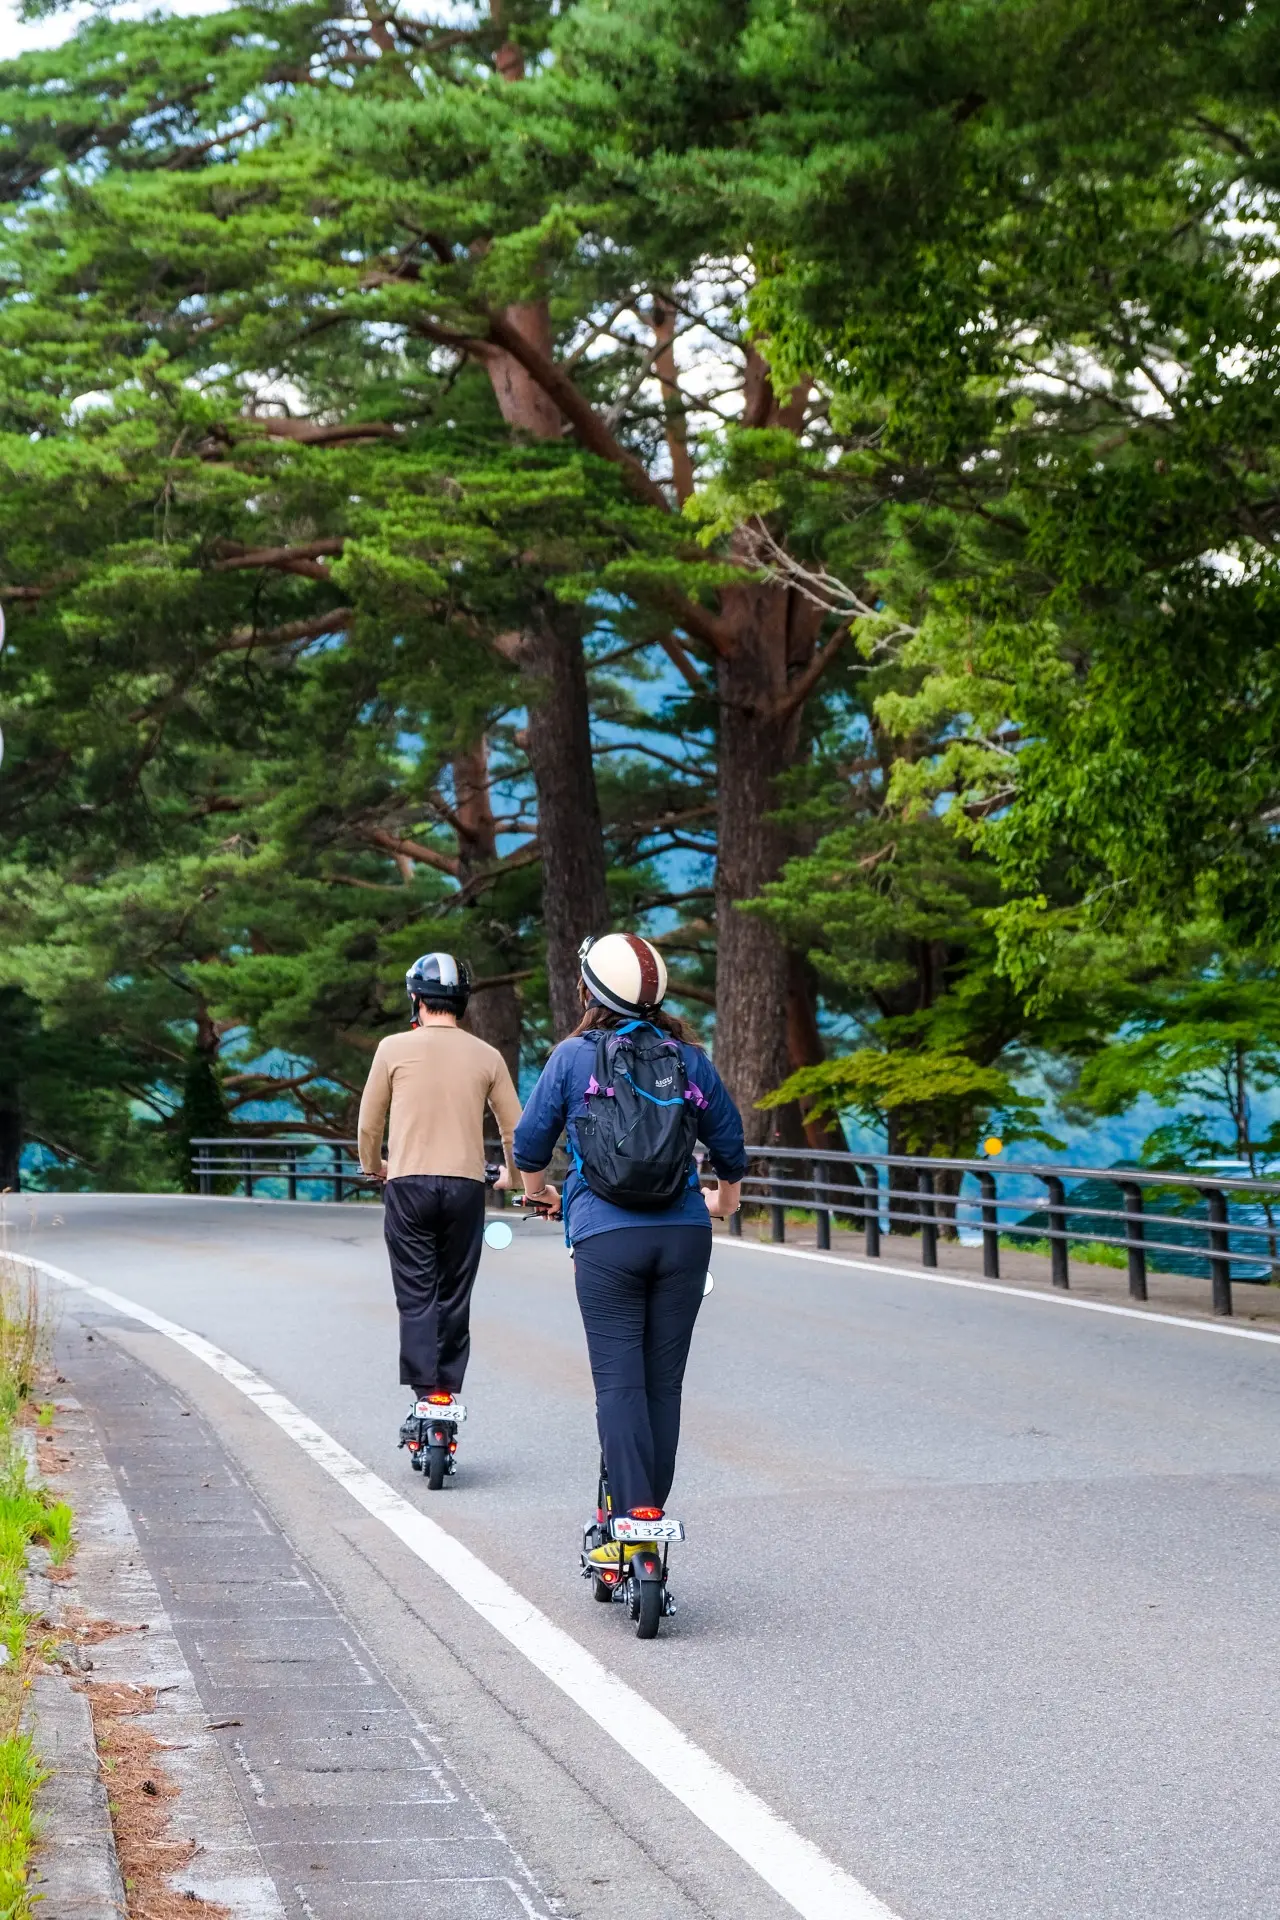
x=588, y=1822
x=116, y=1643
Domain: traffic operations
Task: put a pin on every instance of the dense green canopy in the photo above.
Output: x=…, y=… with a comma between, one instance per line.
x=797, y=477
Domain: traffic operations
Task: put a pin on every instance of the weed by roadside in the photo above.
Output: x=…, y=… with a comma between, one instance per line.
x=1092, y=1253
x=27, y=1517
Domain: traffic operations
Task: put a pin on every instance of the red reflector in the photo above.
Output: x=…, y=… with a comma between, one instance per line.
x=646, y=1513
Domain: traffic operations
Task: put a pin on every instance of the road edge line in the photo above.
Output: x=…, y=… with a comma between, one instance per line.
x=797, y=1870
x=1153, y=1319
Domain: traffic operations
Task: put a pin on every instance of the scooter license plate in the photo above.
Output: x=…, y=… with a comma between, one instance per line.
x=426, y=1411
x=624, y=1528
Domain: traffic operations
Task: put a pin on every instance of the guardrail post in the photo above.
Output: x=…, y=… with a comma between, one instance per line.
x=822, y=1217
x=871, y=1212
x=337, y=1175
x=248, y=1171
x=777, y=1214
x=735, y=1224
x=1134, y=1230
x=293, y=1174
x=1059, y=1271
x=1219, y=1251
x=928, y=1219
x=204, y=1178
x=990, y=1228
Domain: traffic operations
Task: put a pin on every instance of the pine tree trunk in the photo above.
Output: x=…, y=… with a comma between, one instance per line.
x=10, y=1143
x=574, y=898
x=759, y=1023
x=551, y=659
x=753, y=973
x=805, y=1049
x=493, y=1015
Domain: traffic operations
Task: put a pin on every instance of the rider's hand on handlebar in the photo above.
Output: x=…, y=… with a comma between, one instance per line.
x=545, y=1201
x=502, y=1180
x=725, y=1200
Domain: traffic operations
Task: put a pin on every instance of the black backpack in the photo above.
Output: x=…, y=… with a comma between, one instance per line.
x=636, y=1137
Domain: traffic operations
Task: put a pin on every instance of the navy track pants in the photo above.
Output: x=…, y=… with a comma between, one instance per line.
x=639, y=1290
x=434, y=1230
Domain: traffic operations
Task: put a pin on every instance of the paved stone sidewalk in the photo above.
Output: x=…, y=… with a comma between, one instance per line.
x=354, y=1808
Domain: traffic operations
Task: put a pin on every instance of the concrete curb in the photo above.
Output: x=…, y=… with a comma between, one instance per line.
x=75, y=1875
x=75, y=1871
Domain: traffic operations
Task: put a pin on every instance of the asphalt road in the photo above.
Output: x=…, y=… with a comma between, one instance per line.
x=979, y=1592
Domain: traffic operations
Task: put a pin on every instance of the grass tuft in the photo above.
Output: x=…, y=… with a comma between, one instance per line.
x=28, y=1516
x=1092, y=1253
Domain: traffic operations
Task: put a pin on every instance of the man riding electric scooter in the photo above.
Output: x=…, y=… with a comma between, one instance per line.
x=437, y=1081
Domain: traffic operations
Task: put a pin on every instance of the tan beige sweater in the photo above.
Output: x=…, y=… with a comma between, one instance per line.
x=437, y=1082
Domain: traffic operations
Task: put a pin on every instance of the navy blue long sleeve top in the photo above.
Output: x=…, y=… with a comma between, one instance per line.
x=560, y=1099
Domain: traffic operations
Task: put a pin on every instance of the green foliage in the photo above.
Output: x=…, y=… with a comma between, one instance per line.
x=928, y=1102
x=274, y=556
x=1209, y=1034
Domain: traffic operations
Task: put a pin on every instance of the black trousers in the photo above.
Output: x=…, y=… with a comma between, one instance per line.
x=434, y=1228
x=639, y=1290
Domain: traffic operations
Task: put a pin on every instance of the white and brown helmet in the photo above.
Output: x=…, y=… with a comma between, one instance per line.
x=624, y=973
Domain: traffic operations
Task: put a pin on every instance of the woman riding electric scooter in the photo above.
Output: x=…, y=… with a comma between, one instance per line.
x=633, y=1090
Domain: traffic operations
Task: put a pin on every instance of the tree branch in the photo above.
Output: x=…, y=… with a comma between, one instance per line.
x=523, y=857
x=654, y=753
x=502, y=979
x=800, y=688
x=300, y=560
x=246, y=638
x=576, y=408
x=413, y=850
x=317, y=433
x=688, y=990
x=684, y=665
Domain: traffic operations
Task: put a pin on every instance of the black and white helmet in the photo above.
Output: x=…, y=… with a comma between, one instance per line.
x=624, y=972
x=441, y=982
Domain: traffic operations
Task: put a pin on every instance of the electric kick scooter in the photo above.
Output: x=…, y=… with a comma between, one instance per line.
x=430, y=1431
x=638, y=1578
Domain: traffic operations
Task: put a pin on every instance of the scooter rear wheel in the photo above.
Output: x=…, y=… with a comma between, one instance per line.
x=437, y=1467
x=646, y=1604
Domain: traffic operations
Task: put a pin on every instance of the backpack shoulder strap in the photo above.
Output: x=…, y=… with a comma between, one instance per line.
x=601, y=1075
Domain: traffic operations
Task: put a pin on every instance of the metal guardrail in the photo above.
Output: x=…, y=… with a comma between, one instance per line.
x=872, y=1190
x=252, y=1159
x=875, y=1191
x=294, y=1160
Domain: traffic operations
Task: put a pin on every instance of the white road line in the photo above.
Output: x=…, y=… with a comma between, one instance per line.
x=934, y=1279
x=809, y=1883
